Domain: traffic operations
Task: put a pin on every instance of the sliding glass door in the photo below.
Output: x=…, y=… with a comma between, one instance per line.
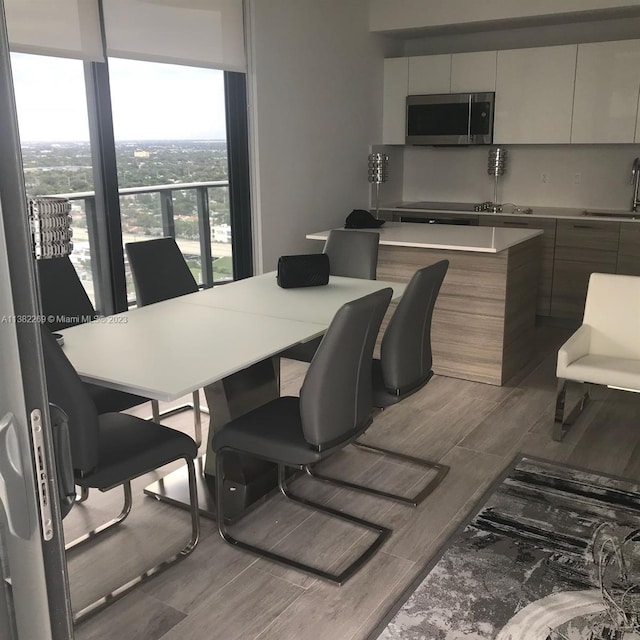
x=34, y=595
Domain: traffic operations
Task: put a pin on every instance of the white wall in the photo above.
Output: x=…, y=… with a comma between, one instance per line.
x=460, y=175
x=315, y=84
x=415, y=14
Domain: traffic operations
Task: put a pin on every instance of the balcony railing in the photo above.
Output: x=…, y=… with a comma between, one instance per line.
x=168, y=228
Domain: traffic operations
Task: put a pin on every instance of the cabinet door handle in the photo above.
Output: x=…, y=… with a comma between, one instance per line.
x=515, y=224
x=583, y=226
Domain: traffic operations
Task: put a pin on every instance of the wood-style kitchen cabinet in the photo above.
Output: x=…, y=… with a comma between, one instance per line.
x=582, y=247
x=545, y=274
x=629, y=249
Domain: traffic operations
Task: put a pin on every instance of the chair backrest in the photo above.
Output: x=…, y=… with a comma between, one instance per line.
x=405, y=351
x=336, y=395
x=353, y=254
x=66, y=390
x=612, y=310
x=64, y=300
x=159, y=271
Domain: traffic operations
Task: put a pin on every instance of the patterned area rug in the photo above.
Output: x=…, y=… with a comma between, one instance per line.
x=552, y=554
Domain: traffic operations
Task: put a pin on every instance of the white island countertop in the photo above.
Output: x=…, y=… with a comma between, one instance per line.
x=446, y=237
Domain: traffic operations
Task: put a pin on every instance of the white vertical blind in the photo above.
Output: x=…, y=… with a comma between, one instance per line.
x=206, y=33
x=67, y=28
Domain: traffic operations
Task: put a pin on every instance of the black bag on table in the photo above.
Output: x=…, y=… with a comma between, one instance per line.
x=305, y=270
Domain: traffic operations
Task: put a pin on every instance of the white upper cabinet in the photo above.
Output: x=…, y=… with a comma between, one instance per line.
x=606, y=95
x=429, y=74
x=534, y=95
x=473, y=72
x=396, y=86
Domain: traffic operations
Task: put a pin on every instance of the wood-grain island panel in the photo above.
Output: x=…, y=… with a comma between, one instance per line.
x=485, y=314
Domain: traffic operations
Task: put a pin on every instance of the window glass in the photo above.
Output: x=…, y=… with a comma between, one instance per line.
x=170, y=133
x=54, y=134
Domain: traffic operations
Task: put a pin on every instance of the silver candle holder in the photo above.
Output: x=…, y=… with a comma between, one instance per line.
x=496, y=167
x=378, y=166
x=50, y=220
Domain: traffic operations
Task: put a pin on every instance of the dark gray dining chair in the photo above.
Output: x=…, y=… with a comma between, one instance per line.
x=159, y=270
x=352, y=254
x=160, y=273
x=65, y=304
x=112, y=449
x=333, y=409
x=404, y=367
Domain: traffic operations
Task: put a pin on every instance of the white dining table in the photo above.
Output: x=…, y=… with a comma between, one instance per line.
x=224, y=340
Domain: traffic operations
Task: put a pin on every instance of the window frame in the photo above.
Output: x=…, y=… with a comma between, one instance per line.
x=104, y=219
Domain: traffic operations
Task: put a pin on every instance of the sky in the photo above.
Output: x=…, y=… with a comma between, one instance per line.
x=150, y=101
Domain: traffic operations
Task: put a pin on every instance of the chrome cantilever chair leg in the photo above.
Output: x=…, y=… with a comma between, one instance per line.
x=84, y=494
x=102, y=602
x=339, y=578
x=413, y=501
x=126, y=510
x=561, y=424
x=198, y=410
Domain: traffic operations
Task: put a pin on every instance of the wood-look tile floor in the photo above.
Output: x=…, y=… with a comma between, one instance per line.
x=221, y=593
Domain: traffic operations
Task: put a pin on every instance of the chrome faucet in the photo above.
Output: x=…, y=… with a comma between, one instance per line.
x=635, y=181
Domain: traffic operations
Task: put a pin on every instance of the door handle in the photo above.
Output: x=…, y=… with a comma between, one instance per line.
x=64, y=463
x=13, y=493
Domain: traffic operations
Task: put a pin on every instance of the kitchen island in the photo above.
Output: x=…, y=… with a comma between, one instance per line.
x=484, y=318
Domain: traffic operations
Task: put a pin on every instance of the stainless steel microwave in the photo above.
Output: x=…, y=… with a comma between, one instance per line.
x=450, y=119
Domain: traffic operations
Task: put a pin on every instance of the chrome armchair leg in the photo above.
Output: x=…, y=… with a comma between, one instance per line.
x=195, y=406
x=126, y=510
x=561, y=424
x=382, y=532
x=84, y=495
x=102, y=602
x=440, y=469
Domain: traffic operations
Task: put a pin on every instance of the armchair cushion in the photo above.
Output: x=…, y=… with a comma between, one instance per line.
x=606, y=370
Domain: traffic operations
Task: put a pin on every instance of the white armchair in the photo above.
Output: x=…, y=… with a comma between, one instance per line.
x=605, y=350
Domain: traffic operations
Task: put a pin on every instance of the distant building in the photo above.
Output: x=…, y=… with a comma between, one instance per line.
x=221, y=233
x=141, y=154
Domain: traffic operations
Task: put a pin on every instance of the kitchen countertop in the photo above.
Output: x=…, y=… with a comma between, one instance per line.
x=511, y=210
x=447, y=237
